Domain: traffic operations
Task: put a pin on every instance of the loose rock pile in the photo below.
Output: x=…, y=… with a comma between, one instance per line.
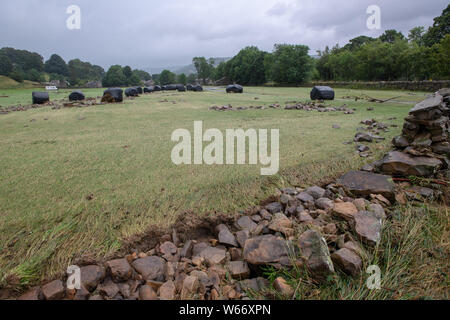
x=424, y=146
x=321, y=229
x=231, y=108
x=316, y=227
x=313, y=106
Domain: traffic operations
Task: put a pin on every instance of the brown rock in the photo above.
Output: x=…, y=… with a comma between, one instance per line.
x=314, y=251
x=238, y=269
x=305, y=217
x=280, y=222
x=190, y=288
x=274, y=207
x=368, y=227
x=81, y=294
x=242, y=236
x=54, y=290
x=377, y=209
x=245, y=223
x=348, y=261
x=236, y=254
x=227, y=238
x=360, y=204
x=345, y=210
x=151, y=268
x=168, y=249
x=255, y=284
x=147, y=293
x=108, y=288
x=186, y=251
x=266, y=249
x=32, y=294
x=350, y=245
x=330, y=228
x=324, y=204
x=119, y=269
x=362, y=183
x=167, y=291
x=155, y=285
x=399, y=163
x=213, y=255
x=198, y=248
x=91, y=276
x=283, y=287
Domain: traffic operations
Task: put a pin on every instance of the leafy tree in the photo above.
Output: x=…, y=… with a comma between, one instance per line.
x=34, y=75
x=143, y=75
x=440, y=28
x=182, y=79
x=127, y=72
x=5, y=65
x=57, y=65
x=155, y=78
x=134, y=80
x=191, y=78
x=167, y=77
x=289, y=64
x=246, y=68
x=357, y=42
x=204, y=68
x=16, y=75
x=23, y=59
x=80, y=72
x=440, y=59
x=416, y=35
x=391, y=36
x=115, y=77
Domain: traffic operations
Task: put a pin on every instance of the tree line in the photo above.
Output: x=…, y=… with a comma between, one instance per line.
x=424, y=54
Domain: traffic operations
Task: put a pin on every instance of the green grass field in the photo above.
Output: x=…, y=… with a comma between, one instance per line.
x=51, y=160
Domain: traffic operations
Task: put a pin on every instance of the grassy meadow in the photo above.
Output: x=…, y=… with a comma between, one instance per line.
x=78, y=181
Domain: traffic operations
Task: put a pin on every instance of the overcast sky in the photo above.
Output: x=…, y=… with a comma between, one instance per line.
x=147, y=33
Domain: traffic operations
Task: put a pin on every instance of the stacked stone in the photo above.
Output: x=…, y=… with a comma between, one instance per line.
x=424, y=146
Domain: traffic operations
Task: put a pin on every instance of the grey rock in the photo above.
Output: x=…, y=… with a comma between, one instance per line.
x=316, y=192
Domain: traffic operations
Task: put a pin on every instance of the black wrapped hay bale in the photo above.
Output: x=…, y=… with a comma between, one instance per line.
x=181, y=88
x=322, y=93
x=157, y=88
x=113, y=95
x=139, y=89
x=171, y=87
x=40, y=97
x=131, y=92
x=189, y=87
x=149, y=89
x=197, y=88
x=76, y=96
x=235, y=88
x=164, y=88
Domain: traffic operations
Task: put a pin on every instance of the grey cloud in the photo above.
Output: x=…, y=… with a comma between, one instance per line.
x=149, y=33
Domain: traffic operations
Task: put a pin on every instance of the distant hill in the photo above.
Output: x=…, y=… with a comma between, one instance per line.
x=8, y=83
x=184, y=69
